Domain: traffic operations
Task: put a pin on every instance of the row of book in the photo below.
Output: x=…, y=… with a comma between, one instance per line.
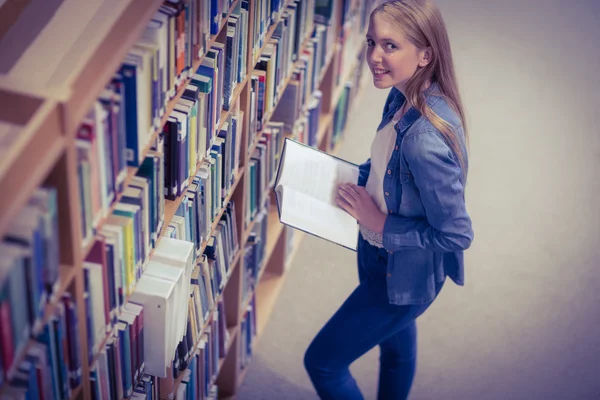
x=248, y=330
x=196, y=364
x=121, y=369
x=115, y=134
x=131, y=108
x=346, y=99
x=110, y=280
x=176, y=288
x=254, y=253
x=50, y=366
x=269, y=12
x=177, y=35
x=29, y=274
x=118, y=368
x=300, y=105
x=276, y=62
x=354, y=23
x=262, y=168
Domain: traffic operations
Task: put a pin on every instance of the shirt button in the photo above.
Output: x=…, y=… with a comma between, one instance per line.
x=389, y=275
x=389, y=252
x=387, y=193
x=390, y=211
x=389, y=171
x=396, y=148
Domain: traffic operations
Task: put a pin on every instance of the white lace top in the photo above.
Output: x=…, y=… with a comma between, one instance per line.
x=381, y=151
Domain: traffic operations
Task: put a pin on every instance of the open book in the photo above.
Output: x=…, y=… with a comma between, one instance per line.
x=306, y=187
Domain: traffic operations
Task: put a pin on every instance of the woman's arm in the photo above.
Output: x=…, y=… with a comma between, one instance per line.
x=447, y=226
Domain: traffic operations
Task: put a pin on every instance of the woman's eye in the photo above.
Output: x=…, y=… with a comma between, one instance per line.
x=390, y=46
x=370, y=42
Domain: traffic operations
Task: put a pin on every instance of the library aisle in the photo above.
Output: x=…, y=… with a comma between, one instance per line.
x=526, y=324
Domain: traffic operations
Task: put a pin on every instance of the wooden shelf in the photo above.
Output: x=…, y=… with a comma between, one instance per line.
x=40, y=139
x=274, y=230
x=236, y=94
x=171, y=207
x=267, y=117
x=65, y=277
x=325, y=122
x=355, y=64
x=233, y=331
x=170, y=210
x=106, y=60
x=131, y=171
x=48, y=118
x=257, y=53
x=275, y=227
x=267, y=292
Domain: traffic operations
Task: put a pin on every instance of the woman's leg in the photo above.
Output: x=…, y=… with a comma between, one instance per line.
x=361, y=323
x=398, y=358
x=397, y=364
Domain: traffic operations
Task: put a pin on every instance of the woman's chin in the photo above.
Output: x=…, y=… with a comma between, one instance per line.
x=381, y=83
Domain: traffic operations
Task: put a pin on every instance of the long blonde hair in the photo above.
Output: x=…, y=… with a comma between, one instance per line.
x=422, y=24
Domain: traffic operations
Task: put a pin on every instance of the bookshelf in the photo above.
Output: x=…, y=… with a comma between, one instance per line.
x=41, y=146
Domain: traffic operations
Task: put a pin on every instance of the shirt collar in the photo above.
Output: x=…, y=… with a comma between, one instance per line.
x=409, y=118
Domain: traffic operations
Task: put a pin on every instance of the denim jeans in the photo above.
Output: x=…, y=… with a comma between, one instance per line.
x=365, y=320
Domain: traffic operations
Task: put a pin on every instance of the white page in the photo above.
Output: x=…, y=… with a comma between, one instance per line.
x=314, y=173
x=318, y=218
x=307, y=186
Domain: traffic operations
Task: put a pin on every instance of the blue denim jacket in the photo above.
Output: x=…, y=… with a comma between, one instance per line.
x=428, y=227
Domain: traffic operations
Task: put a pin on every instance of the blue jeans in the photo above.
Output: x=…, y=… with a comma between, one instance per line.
x=365, y=320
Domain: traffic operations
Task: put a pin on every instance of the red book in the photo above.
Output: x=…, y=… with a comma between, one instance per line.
x=6, y=339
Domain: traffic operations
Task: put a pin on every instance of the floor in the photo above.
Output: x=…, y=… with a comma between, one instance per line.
x=527, y=323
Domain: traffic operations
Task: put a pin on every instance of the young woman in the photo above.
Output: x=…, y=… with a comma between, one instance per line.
x=409, y=203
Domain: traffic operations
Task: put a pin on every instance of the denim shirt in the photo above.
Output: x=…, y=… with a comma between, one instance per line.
x=427, y=227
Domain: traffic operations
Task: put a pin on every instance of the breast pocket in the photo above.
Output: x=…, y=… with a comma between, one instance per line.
x=410, y=203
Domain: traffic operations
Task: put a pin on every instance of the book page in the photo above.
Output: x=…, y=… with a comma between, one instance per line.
x=314, y=173
x=318, y=218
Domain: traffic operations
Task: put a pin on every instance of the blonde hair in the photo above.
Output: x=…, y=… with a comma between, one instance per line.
x=422, y=24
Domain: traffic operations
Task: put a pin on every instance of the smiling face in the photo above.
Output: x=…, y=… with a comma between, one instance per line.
x=392, y=58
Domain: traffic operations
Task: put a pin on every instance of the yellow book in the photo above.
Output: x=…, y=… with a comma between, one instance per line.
x=128, y=241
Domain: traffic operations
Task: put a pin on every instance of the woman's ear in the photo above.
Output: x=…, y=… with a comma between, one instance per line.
x=425, y=57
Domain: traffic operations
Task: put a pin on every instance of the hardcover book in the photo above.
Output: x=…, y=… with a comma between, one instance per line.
x=305, y=188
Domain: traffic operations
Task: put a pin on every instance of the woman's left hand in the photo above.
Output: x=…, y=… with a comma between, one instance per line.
x=358, y=202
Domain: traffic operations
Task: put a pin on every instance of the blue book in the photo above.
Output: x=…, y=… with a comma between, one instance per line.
x=129, y=71
x=72, y=333
x=149, y=171
x=215, y=16
x=229, y=66
x=125, y=358
x=59, y=338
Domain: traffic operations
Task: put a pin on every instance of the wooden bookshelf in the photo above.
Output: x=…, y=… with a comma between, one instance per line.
x=33, y=153
x=106, y=60
x=44, y=152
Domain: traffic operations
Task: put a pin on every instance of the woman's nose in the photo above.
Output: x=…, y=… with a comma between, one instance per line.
x=374, y=55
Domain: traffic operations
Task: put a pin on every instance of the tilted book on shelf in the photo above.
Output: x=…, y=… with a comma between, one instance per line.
x=305, y=188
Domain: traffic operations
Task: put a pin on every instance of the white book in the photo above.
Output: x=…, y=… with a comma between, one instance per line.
x=173, y=274
x=157, y=297
x=306, y=187
x=181, y=254
x=101, y=328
